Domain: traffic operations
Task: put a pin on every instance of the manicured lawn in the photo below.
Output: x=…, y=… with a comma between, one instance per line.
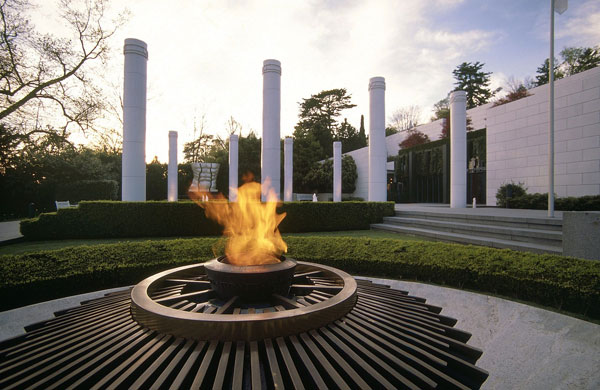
x=36, y=246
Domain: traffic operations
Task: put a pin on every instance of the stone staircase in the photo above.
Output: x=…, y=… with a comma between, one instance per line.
x=539, y=235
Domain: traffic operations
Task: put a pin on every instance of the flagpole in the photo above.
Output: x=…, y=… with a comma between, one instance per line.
x=551, y=117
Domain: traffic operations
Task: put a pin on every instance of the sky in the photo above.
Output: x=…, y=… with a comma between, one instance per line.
x=205, y=57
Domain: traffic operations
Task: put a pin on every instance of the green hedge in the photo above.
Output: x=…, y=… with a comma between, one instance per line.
x=172, y=219
x=540, y=202
x=559, y=282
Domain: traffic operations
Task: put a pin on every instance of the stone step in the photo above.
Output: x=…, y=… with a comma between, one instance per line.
x=470, y=239
x=554, y=224
x=523, y=234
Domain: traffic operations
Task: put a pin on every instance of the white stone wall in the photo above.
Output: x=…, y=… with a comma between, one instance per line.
x=517, y=139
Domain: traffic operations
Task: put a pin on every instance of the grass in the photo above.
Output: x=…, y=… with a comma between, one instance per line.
x=36, y=246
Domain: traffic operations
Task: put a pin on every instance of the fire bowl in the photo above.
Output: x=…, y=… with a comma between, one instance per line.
x=253, y=283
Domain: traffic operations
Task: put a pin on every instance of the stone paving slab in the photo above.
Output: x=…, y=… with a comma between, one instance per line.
x=524, y=347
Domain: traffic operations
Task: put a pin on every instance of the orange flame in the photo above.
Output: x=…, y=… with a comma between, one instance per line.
x=250, y=225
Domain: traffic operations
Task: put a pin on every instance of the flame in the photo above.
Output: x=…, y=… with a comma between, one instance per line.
x=250, y=225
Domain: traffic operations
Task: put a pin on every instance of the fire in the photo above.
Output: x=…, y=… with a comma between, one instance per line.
x=250, y=225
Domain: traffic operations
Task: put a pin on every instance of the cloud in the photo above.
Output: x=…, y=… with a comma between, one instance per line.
x=206, y=57
x=582, y=27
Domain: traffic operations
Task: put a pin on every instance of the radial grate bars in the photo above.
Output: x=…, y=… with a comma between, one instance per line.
x=388, y=340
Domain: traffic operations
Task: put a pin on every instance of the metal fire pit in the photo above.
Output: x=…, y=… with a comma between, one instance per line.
x=253, y=283
x=173, y=331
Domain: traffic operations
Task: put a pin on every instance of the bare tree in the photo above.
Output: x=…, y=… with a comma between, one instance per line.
x=43, y=77
x=405, y=118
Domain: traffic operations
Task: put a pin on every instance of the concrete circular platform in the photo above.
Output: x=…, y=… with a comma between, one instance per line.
x=524, y=347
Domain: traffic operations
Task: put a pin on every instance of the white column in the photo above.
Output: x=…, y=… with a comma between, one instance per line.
x=172, y=169
x=270, y=146
x=288, y=169
x=134, y=121
x=377, y=147
x=233, y=167
x=337, y=171
x=458, y=149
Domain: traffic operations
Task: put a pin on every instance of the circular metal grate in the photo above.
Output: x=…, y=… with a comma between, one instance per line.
x=388, y=339
x=183, y=303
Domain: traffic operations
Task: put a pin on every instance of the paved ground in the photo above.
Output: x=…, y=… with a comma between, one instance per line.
x=524, y=347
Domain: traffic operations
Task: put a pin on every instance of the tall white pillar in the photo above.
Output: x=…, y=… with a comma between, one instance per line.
x=134, y=121
x=233, y=167
x=458, y=149
x=337, y=171
x=172, y=169
x=288, y=169
x=270, y=146
x=377, y=147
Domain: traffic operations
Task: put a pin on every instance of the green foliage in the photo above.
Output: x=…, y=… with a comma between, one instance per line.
x=351, y=138
x=77, y=191
x=35, y=173
x=475, y=82
x=320, y=177
x=542, y=76
x=539, y=201
x=179, y=219
x=579, y=59
x=515, y=196
x=509, y=191
x=574, y=60
x=559, y=282
x=318, y=117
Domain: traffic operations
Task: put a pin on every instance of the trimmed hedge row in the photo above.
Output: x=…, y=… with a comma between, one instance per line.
x=105, y=219
x=540, y=202
x=560, y=282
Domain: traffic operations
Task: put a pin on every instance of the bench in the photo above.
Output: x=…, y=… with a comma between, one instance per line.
x=63, y=205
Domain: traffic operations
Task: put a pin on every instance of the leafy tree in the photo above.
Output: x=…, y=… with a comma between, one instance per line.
x=516, y=90
x=441, y=109
x=574, y=60
x=351, y=138
x=543, y=73
x=390, y=130
x=307, y=151
x=579, y=59
x=405, y=118
x=413, y=138
x=249, y=151
x=43, y=77
x=318, y=118
x=475, y=82
x=156, y=180
x=320, y=177
x=203, y=147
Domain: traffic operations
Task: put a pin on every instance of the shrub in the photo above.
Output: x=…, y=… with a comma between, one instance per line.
x=559, y=282
x=88, y=190
x=520, y=199
x=510, y=191
x=176, y=219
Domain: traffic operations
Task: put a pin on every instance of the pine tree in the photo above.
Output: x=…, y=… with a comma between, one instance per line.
x=542, y=73
x=475, y=82
x=362, y=135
